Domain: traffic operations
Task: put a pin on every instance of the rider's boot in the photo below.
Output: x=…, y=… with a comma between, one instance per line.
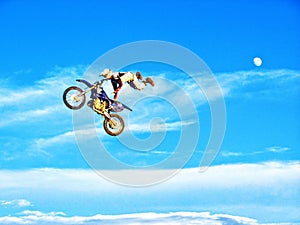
x=149, y=81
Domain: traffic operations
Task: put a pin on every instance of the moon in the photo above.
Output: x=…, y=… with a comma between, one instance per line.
x=257, y=61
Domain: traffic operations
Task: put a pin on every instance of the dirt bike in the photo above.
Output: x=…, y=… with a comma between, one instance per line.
x=74, y=98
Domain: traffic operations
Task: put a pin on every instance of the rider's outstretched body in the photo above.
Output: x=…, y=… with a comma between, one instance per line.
x=134, y=80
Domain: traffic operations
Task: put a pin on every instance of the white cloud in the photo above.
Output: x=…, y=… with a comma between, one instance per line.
x=41, y=143
x=44, y=97
x=233, y=82
x=42, y=102
x=180, y=91
x=16, y=203
x=65, y=138
x=273, y=149
x=248, y=187
x=231, y=175
x=230, y=154
x=29, y=115
x=230, y=83
x=37, y=217
x=10, y=97
x=151, y=218
x=41, y=99
x=158, y=127
x=277, y=149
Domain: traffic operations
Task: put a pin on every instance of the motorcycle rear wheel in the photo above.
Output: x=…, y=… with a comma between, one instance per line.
x=71, y=98
x=113, y=126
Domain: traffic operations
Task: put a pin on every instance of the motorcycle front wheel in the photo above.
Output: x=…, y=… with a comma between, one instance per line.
x=72, y=98
x=113, y=126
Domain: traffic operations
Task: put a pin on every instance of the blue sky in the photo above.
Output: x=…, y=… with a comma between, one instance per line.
x=45, y=46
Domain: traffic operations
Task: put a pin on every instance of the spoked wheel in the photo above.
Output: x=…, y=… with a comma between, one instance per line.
x=114, y=126
x=73, y=99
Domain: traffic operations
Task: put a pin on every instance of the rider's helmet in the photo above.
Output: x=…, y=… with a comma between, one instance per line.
x=139, y=75
x=106, y=73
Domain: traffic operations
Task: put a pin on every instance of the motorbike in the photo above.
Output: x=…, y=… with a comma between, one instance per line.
x=74, y=98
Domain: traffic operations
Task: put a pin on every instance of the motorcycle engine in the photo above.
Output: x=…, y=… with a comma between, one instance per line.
x=99, y=106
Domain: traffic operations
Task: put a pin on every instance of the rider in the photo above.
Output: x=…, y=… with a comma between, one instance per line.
x=118, y=78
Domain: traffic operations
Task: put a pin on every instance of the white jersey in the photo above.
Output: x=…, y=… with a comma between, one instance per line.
x=124, y=76
x=130, y=78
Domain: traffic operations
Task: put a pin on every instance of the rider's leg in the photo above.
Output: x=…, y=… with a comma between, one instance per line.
x=137, y=84
x=116, y=94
